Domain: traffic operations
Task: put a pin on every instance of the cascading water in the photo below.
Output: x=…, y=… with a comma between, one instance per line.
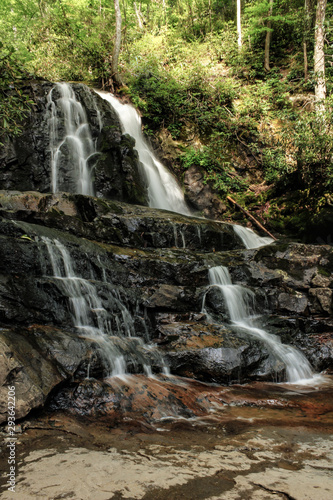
x=250, y=238
x=182, y=235
x=239, y=302
x=94, y=322
x=163, y=190
x=70, y=140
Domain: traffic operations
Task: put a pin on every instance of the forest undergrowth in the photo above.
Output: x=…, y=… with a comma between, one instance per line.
x=255, y=133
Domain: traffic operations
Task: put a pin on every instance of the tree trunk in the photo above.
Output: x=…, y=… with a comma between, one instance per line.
x=305, y=36
x=305, y=56
x=268, y=37
x=239, y=24
x=165, y=13
x=41, y=8
x=138, y=16
x=189, y=3
x=251, y=217
x=116, y=48
x=319, y=55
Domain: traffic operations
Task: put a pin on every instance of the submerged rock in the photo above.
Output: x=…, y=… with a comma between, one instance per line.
x=135, y=397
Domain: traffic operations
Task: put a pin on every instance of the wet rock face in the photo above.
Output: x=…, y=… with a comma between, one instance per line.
x=116, y=169
x=213, y=352
x=200, y=195
x=150, y=271
x=35, y=360
x=135, y=397
x=118, y=223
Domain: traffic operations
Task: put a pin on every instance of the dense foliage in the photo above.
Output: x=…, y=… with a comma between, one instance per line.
x=14, y=104
x=183, y=67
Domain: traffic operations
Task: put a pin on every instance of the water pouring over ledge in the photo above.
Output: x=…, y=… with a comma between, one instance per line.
x=163, y=189
x=72, y=150
x=250, y=238
x=71, y=142
x=239, y=303
x=112, y=333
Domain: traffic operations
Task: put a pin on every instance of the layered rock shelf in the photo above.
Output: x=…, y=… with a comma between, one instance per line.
x=138, y=255
x=106, y=306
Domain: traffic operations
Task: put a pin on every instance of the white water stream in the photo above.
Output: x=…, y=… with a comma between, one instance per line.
x=70, y=137
x=71, y=140
x=250, y=238
x=93, y=321
x=163, y=189
x=239, y=302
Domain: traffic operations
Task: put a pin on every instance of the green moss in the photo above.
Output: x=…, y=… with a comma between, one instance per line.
x=107, y=206
x=323, y=272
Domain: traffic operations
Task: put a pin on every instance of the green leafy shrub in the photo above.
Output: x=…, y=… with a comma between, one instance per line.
x=15, y=105
x=217, y=169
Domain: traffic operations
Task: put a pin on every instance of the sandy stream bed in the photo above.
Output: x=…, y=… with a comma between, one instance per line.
x=253, y=451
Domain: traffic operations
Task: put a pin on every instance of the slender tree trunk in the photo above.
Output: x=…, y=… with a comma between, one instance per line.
x=148, y=14
x=306, y=33
x=116, y=48
x=239, y=24
x=165, y=13
x=268, y=37
x=191, y=14
x=138, y=17
x=305, y=56
x=319, y=55
x=41, y=7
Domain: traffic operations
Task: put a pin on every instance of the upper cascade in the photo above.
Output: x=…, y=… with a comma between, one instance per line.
x=74, y=142
x=71, y=141
x=163, y=189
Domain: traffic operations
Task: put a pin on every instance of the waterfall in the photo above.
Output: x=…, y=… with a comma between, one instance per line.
x=70, y=142
x=250, y=238
x=163, y=189
x=239, y=302
x=94, y=322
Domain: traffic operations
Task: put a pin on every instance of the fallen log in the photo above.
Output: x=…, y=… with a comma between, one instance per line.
x=251, y=217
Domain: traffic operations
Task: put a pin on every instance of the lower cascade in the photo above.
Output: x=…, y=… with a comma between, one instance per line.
x=113, y=334
x=239, y=302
